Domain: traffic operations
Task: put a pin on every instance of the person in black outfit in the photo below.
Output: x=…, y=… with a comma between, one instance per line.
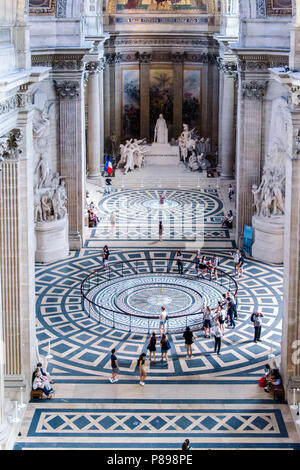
x=186, y=445
x=179, y=262
x=189, y=339
x=152, y=345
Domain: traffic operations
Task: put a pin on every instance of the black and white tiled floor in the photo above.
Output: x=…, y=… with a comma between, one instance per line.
x=213, y=400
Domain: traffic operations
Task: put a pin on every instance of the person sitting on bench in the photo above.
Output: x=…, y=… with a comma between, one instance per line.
x=42, y=383
x=273, y=380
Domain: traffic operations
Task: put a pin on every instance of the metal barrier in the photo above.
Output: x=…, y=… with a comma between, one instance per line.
x=142, y=266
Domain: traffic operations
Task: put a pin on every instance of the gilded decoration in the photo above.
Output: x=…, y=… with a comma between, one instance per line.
x=42, y=7
x=152, y=6
x=279, y=7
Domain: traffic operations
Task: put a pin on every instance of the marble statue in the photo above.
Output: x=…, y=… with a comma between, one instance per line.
x=193, y=162
x=50, y=197
x=46, y=204
x=161, y=131
x=43, y=172
x=186, y=142
x=269, y=196
x=38, y=213
x=132, y=155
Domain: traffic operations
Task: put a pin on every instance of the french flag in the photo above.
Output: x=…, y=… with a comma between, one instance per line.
x=108, y=166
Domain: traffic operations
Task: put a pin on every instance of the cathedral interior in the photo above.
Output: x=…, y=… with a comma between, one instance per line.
x=152, y=127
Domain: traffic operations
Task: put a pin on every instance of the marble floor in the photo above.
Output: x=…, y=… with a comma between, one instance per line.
x=213, y=400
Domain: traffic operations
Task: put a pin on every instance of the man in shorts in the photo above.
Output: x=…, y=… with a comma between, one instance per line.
x=163, y=320
x=114, y=366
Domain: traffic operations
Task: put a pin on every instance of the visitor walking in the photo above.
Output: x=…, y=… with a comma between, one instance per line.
x=216, y=264
x=152, y=346
x=230, y=312
x=197, y=262
x=165, y=346
x=163, y=320
x=108, y=185
x=207, y=317
x=230, y=192
x=105, y=256
x=160, y=230
x=256, y=318
x=143, y=373
x=114, y=366
x=218, y=335
x=189, y=340
x=236, y=260
x=112, y=223
x=179, y=259
x=241, y=264
x=221, y=316
x=162, y=199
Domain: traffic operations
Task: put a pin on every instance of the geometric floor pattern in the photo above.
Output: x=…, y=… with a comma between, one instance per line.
x=213, y=400
x=192, y=215
x=81, y=346
x=164, y=424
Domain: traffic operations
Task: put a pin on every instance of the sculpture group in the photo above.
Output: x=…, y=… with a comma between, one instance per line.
x=132, y=155
x=194, y=149
x=269, y=196
x=50, y=196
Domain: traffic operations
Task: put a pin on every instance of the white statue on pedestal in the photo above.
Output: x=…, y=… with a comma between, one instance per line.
x=161, y=131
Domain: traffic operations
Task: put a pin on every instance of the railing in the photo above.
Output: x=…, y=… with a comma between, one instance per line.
x=143, y=266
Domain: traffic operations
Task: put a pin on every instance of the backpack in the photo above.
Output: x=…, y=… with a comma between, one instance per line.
x=252, y=317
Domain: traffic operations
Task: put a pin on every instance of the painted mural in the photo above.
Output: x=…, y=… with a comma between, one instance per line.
x=152, y=5
x=279, y=7
x=42, y=7
x=191, y=97
x=161, y=96
x=130, y=103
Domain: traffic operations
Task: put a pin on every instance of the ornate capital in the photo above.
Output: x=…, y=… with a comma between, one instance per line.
x=113, y=58
x=229, y=67
x=254, y=90
x=68, y=90
x=143, y=57
x=92, y=67
x=179, y=57
x=11, y=145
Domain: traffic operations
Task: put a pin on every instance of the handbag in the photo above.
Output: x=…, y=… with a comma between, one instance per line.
x=262, y=381
x=168, y=345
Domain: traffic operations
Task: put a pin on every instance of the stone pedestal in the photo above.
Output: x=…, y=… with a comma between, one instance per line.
x=51, y=240
x=269, y=239
x=163, y=154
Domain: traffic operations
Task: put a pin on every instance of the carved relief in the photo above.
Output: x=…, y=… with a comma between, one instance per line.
x=11, y=145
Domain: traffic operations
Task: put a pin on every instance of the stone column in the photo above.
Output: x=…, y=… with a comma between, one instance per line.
x=221, y=88
x=290, y=347
x=144, y=60
x=295, y=40
x=101, y=106
x=72, y=152
x=3, y=421
x=249, y=148
x=227, y=153
x=107, y=105
x=215, y=109
x=94, y=142
x=178, y=61
x=17, y=253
